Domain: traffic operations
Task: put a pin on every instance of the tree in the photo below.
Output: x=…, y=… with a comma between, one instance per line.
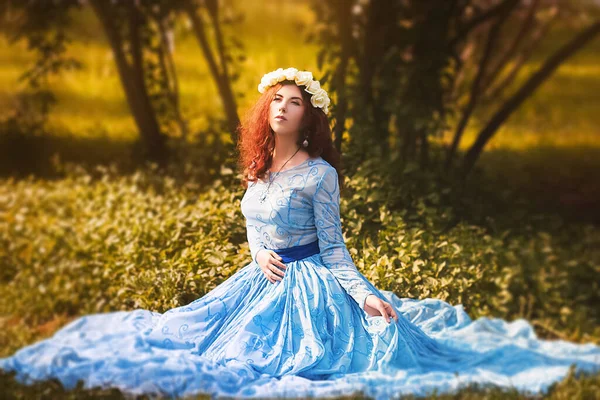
x=141, y=37
x=125, y=26
x=220, y=73
x=526, y=90
x=419, y=63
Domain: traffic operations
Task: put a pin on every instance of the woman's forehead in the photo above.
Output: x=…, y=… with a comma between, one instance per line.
x=289, y=90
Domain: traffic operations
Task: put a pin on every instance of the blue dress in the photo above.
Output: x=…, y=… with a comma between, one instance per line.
x=307, y=335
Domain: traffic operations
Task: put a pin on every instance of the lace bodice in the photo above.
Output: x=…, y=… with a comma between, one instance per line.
x=303, y=205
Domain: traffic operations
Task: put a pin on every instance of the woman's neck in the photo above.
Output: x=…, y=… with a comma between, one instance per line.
x=285, y=147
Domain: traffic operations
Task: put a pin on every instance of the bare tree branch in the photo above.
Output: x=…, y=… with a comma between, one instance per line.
x=526, y=26
x=560, y=56
x=475, y=88
x=493, y=92
x=492, y=13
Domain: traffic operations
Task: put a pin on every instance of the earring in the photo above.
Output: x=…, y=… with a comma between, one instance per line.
x=305, y=143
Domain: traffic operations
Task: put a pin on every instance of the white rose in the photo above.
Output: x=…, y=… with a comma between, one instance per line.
x=278, y=74
x=266, y=80
x=268, y=75
x=273, y=79
x=319, y=99
x=290, y=73
x=313, y=87
x=303, y=78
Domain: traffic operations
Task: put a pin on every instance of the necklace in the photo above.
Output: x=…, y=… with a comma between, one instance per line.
x=265, y=193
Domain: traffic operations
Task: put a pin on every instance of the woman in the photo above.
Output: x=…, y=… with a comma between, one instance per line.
x=287, y=134
x=299, y=319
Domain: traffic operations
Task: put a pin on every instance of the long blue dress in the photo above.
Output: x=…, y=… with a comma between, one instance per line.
x=307, y=335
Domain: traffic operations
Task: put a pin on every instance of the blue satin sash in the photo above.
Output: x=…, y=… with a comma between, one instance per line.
x=298, y=252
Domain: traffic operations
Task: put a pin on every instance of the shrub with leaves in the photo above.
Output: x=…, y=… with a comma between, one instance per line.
x=100, y=241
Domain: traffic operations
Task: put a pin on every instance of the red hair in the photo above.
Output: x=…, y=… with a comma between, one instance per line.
x=257, y=140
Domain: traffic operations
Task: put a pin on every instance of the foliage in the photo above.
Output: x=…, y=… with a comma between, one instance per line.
x=141, y=36
x=44, y=25
x=96, y=241
x=406, y=72
x=84, y=244
x=418, y=234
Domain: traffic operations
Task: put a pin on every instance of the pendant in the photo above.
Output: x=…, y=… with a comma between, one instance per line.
x=265, y=192
x=263, y=196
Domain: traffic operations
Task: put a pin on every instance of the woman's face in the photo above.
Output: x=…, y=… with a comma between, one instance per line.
x=289, y=103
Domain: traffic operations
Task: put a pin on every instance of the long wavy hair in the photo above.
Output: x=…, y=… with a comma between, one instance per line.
x=257, y=139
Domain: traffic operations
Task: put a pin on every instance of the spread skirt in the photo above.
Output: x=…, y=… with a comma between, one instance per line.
x=302, y=336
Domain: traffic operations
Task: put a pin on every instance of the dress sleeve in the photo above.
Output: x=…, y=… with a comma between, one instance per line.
x=254, y=241
x=335, y=255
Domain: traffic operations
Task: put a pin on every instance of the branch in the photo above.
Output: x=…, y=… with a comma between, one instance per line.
x=492, y=13
x=198, y=25
x=526, y=26
x=475, y=88
x=527, y=90
x=213, y=11
x=493, y=92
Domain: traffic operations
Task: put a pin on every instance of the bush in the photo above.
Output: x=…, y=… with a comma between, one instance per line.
x=99, y=241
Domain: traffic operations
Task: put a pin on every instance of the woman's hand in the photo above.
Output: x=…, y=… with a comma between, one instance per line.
x=268, y=261
x=374, y=306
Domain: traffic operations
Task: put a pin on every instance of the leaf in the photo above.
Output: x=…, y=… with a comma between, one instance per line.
x=440, y=268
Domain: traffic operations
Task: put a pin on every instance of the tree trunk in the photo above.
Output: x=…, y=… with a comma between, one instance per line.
x=339, y=80
x=168, y=66
x=220, y=76
x=132, y=80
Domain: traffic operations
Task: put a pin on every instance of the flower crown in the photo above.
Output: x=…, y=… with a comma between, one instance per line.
x=319, y=98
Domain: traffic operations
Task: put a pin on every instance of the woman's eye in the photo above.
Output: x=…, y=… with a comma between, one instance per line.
x=277, y=99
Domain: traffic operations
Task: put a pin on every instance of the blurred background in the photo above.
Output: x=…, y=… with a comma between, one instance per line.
x=469, y=131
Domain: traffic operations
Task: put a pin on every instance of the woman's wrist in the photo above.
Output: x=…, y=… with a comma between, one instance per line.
x=256, y=255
